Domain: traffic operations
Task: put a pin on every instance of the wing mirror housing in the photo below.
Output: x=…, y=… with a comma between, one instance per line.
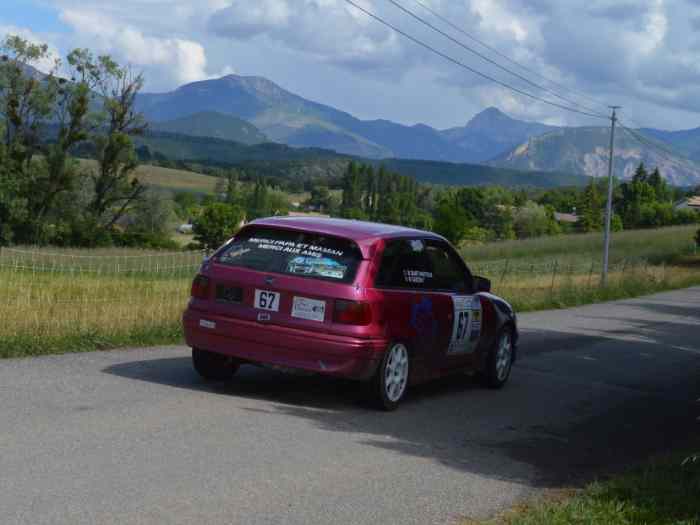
x=482, y=284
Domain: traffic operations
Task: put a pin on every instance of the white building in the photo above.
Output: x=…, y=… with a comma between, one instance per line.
x=691, y=203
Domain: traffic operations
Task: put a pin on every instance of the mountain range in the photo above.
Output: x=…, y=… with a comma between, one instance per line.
x=586, y=151
x=288, y=118
x=229, y=108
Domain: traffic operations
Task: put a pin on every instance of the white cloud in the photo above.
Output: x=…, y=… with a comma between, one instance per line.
x=177, y=59
x=330, y=30
x=46, y=64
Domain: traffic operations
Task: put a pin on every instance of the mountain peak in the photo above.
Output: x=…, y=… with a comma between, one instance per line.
x=489, y=117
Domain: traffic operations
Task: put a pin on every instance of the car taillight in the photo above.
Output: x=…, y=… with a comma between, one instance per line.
x=352, y=312
x=200, y=287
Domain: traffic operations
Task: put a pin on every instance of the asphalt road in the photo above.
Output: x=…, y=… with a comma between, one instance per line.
x=134, y=437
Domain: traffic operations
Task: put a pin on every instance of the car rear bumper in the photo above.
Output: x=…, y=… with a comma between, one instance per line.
x=342, y=356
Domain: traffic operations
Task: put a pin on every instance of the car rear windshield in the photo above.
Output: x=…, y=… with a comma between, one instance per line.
x=305, y=254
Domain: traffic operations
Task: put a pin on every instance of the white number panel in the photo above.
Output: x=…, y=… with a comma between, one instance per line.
x=269, y=301
x=466, y=328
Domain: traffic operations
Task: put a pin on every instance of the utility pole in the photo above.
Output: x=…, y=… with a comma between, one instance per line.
x=608, y=209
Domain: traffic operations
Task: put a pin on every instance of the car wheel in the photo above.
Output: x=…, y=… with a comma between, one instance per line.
x=212, y=366
x=500, y=360
x=391, y=380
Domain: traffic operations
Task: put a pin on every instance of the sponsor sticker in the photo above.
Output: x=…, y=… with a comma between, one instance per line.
x=310, y=309
x=323, y=266
x=476, y=319
x=467, y=324
x=295, y=248
x=416, y=276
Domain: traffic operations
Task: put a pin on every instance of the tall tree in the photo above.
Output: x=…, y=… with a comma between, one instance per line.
x=351, y=206
x=27, y=100
x=115, y=187
x=74, y=121
x=451, y=219
x=259, y=204
x=590, y=209
x=27, y=105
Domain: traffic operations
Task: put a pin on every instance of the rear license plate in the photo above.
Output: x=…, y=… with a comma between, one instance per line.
x=269, y=301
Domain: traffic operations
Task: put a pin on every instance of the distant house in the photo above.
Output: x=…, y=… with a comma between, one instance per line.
x=570, y=218
x=691, y=203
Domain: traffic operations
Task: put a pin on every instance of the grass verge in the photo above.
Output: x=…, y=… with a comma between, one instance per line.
x=549, y=292
x=58, y=301
x=663, y=492
x=30, y=345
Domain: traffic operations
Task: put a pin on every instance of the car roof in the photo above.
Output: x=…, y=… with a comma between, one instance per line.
x=364, y=233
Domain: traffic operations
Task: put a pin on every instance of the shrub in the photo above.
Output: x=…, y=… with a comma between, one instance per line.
x=150, y=240
x=216, y=224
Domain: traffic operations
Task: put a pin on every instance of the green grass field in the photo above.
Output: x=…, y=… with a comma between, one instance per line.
x=169, y=179
x=663, y=492
x=54, y=300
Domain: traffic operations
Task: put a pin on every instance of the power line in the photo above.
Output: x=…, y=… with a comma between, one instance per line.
x=468, y=68
x=662, y=151
x=487, y=59
x=667, y=153
x=657, y=143
x=506, y=57
x=635, y=122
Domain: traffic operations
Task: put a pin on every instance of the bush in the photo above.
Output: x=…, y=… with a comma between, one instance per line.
x=216, y=224
x=153, y=241
x=697, y=238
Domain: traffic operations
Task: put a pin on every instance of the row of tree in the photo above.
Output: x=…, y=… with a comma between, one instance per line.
x=495, y=213
x=384, y=197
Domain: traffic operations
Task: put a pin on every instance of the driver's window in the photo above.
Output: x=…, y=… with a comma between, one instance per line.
x=449, y=272
x=405, y=265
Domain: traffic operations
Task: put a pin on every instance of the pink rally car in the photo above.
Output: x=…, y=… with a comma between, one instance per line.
x=372, y=302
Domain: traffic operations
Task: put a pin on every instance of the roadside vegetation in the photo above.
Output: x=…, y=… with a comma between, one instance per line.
x=663, y=492
x=57, y=300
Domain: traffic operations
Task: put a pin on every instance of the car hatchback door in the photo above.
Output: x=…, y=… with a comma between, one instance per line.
x=282, y=277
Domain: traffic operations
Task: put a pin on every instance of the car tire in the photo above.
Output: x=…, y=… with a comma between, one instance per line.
x=391, y=380
x=212, y=366
x=499, y=362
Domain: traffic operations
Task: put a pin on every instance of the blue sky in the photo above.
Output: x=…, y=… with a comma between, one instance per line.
x=641, y=54
x=38, y=17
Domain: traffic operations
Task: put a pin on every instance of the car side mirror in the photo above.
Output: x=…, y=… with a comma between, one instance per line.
x=482, y=284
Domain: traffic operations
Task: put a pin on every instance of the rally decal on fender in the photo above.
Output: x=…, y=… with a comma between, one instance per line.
x=467, y=324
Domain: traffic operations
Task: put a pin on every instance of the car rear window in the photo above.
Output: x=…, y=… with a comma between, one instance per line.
x=305, y=254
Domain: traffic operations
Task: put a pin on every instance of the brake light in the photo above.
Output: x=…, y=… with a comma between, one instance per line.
x=200, y=287
x=352, y=312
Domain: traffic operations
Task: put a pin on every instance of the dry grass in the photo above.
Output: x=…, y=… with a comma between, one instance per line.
x=67, y=300
x=170, y=179
x=561, y=289
x=58, y=300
